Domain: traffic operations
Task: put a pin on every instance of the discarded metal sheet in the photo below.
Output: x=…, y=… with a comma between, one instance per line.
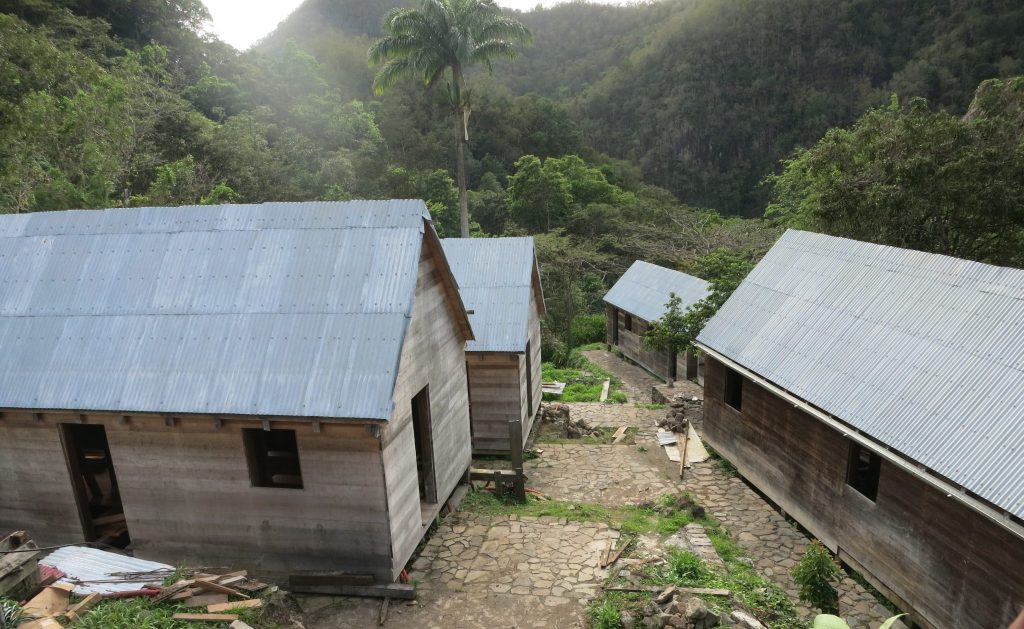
x=666, y=438
x=91, y=570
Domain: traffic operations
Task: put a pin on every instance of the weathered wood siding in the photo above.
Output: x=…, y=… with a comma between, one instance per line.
x=535, y=365
x=935, y=556
x=188, y=497
x=497, y=384
x=631, y=346
x=434, y=355
x=35, y=487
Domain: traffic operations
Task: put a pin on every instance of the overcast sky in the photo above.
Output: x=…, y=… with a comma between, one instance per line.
x=242, y=22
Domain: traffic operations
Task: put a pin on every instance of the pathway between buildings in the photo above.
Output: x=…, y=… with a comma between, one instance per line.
x=497, y=571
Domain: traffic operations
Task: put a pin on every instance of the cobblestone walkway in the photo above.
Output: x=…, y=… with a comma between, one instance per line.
x=482, y=572
x=607, y=475
x=636, y=381
x=615, y=415
x=775, y=545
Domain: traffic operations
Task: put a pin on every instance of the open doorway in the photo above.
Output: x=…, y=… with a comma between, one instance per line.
x=529, y=379
x=95, y=484
x=421, y=432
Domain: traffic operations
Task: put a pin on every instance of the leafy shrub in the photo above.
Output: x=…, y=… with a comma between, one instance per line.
x=688, y=568
x=605, y=616
x=617, y=397
x=11, y=614
x=816, y=575
x=589, y=329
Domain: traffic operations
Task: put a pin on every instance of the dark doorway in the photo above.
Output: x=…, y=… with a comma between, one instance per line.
x=421, y=432
x=95, y=484
x=615, y=326
x=672, y=371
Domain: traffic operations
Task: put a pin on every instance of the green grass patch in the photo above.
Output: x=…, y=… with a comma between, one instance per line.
x=650, y=407
x=582, y=384
x=589, y=347
x=551, y=433
x=142, y=613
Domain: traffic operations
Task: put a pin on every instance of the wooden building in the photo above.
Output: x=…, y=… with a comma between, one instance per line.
x=500, y=284
x=280, y=386
x=639, y=297
x=875, y=395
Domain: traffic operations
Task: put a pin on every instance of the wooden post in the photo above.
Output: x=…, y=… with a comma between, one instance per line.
x=682, y=455
x=515, y=435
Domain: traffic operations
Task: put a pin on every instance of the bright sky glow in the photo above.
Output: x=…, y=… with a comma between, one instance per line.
x=242, y=23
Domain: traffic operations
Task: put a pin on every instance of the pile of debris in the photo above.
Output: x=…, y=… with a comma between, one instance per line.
x=558, y=414
x=680, y=609
x=46, y=585
x=682, y=411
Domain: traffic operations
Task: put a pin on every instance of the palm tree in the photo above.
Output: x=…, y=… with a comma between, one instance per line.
x=441, y=40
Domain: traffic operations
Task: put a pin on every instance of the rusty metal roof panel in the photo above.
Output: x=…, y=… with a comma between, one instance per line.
x=495, y=278
x=643, y=290
x=276, y=309
x=922, y=352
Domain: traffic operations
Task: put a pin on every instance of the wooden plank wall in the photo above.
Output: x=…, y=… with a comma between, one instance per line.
x=188, y=498
x=497, y=382
x=35, y=487
x=433, y=354
x=535, y=364
x=953, y=567
x=630, y=345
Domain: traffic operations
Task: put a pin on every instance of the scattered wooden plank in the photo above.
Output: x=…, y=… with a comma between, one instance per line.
x=223, y=607
x=173, y=589
x=619, y=552
x=607, y=553
x=682, y=454
x=237, y=573
x=252, y=586
x=656, y=589
x=604, y=390
x=403, y=591
x=83, y=606
x=210, y=586
x=619, y=435
x=231, y=581
x=206, y=617
x=184, y=594
x=383, y=616
x=205, y=599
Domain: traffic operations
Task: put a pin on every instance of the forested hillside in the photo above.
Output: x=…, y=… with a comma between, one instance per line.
x=621, y=133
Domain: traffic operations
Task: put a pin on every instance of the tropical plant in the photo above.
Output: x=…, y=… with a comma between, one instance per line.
x=816, y=574
x=441, y=40
x=669, y=333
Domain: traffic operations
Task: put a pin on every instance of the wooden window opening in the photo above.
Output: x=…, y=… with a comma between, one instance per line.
x=627, y=322
x=733, y=389
x=863, y=471
x=529, y=380
x=273, y=458
x=423, y=438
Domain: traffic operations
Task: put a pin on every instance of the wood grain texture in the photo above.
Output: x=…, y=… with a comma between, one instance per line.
x=433, y=355
x=497, y=383
x=631, y=345
x=951, y=566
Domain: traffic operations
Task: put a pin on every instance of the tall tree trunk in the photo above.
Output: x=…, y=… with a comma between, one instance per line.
x=460, y=171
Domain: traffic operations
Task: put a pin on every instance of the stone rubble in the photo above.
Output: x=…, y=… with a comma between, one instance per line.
x=558, y=414
x=682, y=410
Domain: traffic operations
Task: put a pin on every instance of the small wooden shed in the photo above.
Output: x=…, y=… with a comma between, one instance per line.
x=499, y=280
x=875, y=394
x=280, y=387
x=639, y=297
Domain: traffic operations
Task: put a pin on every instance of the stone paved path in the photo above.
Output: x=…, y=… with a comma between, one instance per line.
x=485, y=571
x=774, y=544
x=636, y=381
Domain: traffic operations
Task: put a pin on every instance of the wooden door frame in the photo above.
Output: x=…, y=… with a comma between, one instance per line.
x=423, y=423
x=72, y=457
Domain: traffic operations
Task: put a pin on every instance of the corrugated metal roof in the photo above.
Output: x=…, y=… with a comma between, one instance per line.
x=495, y=277
x=295, y=309
x=643, y=290
x=91, y=570
x=921, y=352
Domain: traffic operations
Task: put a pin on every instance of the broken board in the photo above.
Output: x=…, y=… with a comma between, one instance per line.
x=695, y=450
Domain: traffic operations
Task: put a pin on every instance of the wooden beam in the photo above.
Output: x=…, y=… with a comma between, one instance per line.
x=206, y=617
x=384, y=590
x=329, y=578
